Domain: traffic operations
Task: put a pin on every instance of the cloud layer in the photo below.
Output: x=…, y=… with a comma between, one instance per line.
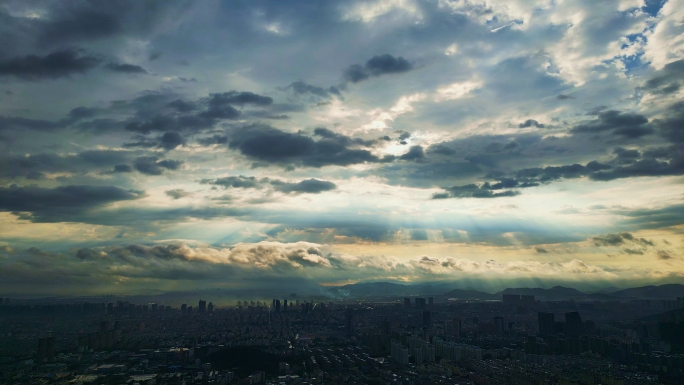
x=550, y=133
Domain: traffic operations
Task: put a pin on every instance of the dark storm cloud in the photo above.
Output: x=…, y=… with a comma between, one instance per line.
x=87, y=21
x=530, y=123
x=652, y=218
x=177, y=193
x=18, y=123
x=79, y=113
x=626, y=125
x=65, y=200
x=127, y=68
x=496, y=157
x=171, y=140
x=564, y=97
x=626, y=164
x=663, y=255
x=151, y=165
x=123, y=168
x=80, y=25
x=35, y=165
x=181, y=105
x=238, y=98
x=310, y=186
x=626, y=154
x=154, y=55
x=158, y=123
x=523, y=77
x=415, y=153
x=475, y=191
x=159, y=114
x=168, y=141
x=668, y=80
x=239, y=181
x=620, y=239
x=342, y=139
x=271, y=145
x=55, y=65
x=302, y=88
x=672, y=125
x=551, y=173
x=645, y=167
x=377, y=66
x=403, y=135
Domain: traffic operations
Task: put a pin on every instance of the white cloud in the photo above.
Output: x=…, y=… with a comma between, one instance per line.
x=456, y=90
x=369, y=11
x=382, y=117
x=666, y=42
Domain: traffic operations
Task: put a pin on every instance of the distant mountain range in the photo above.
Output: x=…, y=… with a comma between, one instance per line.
x=663, y=291
x=368, y=289
x=390, y=289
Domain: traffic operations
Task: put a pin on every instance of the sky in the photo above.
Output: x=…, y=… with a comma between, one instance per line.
x=151, y=146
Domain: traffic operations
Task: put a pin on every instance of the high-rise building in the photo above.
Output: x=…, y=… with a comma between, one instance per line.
x=427, y=319
x=46, y=348
x=184, y=308
x=349, y=321
x=431, y=301
x=277, y=306
x=498, y=325
x=573, y=324
x=399, y=353
x=547, y=324
x=210, y=308
x=202, y=308
x=155, y=307
x=456, y=326
x=386, y=328
x=285, y=305
x=407, y=301
x=511, y=299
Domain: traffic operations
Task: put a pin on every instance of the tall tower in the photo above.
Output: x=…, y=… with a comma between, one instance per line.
x=546, y=323
x=427, y=319
x=498, y=325
x=349, y=321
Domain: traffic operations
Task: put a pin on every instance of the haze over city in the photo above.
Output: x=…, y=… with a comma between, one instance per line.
x=153, y=147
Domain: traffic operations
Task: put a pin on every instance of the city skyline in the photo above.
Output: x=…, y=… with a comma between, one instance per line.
x=174, y=146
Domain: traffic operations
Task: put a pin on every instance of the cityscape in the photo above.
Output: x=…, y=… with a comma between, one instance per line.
x=452, y=338
x=381, y=192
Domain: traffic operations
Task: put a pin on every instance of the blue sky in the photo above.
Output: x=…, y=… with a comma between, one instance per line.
x=174, y=145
